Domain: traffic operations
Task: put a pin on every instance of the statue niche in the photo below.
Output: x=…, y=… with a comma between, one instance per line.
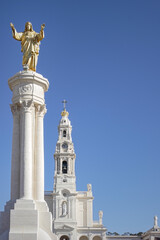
x=64, y=208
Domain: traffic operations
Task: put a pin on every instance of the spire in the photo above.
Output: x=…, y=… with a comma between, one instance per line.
x=64, y=113
x=64, y=104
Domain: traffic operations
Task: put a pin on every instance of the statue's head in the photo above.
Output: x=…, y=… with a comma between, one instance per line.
x=28, y=26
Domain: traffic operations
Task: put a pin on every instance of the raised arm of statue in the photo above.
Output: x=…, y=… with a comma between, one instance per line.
x=40, y=35
x=13, y=28
x=17, y=36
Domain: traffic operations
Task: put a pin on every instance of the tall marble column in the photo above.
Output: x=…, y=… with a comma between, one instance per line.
x=26, y=150
x=15, y=165
x=39, y=181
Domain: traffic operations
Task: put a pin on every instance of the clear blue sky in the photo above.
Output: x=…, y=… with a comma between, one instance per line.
x=102, y=56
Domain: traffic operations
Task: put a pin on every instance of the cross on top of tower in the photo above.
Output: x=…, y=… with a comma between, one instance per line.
x=64, y=112
x=64, y=104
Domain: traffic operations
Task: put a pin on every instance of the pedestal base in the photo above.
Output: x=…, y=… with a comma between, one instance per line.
x=29, y=220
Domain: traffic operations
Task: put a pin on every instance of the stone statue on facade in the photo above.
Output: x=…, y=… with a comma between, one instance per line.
x=30, y=41
x=155, y=221
x=64, y=209
x=100, y=217
x=89, y=187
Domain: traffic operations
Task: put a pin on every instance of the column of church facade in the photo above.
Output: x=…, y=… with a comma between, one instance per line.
x=55, y=167
x=69, y=165
x=89, y=212
x=90, y=236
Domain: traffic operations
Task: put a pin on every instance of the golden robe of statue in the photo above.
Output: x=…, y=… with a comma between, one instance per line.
x=30, y=41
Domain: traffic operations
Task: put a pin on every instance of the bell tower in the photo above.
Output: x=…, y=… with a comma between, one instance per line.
x=64, y=193
x=64, y=175
x=72, y=210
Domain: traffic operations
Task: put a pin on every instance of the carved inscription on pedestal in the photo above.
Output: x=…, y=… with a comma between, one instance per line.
x=26, y=89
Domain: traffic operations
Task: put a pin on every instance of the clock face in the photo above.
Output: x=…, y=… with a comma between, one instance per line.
x=65, y=146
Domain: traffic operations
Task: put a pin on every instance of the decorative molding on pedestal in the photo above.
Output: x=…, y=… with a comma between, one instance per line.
x=26, y=89
x=27, y=85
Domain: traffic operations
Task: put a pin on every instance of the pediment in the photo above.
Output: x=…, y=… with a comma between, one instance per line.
x=67, y=227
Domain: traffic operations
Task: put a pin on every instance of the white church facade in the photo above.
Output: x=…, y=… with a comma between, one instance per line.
x=72, y=211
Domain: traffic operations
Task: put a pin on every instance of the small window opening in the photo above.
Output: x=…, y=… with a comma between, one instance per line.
x=64, y=237
x=64, y=133
x=64, y=167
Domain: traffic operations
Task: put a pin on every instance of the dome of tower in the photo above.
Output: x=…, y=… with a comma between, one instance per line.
x=64, y=113
x=64, y=120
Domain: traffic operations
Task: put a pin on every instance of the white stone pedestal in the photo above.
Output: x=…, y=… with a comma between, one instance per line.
x=30, y=221
x=26, y=216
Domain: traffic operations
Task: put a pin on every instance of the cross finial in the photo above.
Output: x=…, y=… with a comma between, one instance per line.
x=64, y=104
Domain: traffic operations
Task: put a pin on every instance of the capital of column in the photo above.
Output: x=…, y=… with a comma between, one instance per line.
x=26, y=105
x=15, y=109
x=40, y=110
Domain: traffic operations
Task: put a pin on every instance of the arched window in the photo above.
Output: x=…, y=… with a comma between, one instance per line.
x=64, y=167
x=83, y=238
x=64, y=237
x=97, y=238
x=64, y=133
